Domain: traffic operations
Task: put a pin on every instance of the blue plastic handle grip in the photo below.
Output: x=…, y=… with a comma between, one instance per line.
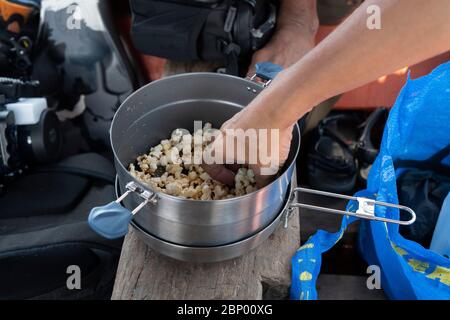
x=267, y=70
x=110, y=221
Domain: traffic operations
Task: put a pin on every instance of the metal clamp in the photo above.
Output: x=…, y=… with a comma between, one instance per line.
x=366, y=207
x=262, y=82
x=149, y=197
x=264, y=74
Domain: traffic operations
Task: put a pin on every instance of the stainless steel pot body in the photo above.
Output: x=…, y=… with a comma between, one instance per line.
x=215, y=253
x=150, y=115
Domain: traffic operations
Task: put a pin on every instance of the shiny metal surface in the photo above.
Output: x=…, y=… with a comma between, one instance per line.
x=150, y=115
x=215, y=253
x=365, y=209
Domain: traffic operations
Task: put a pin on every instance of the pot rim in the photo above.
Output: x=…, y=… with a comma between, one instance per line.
x=176, y=198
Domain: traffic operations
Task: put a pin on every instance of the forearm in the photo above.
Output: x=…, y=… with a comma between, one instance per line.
x=353, y=55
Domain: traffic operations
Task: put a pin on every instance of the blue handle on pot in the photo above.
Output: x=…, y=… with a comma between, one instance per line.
x=110, y=221
x=267, y=70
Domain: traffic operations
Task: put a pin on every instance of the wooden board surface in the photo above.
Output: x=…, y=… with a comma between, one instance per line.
x=263, y=273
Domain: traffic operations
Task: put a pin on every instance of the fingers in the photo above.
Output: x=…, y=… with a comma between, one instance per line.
x=220, y=173
x=216, y=169
x=233, y=167
x=154, y=66
x=230, y=150
x=251, y=70
x=262, y=180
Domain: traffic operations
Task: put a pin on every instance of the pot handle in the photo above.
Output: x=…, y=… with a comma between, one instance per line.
x=111, y=220
x=366, y=207
x=266, y=71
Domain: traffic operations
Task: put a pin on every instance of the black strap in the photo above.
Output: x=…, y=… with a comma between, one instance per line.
x=89, y=165
x=365, y=150
x=325, y=129
x=232, y=52
x=231, y=49
x=80, y=172
x=332, y=166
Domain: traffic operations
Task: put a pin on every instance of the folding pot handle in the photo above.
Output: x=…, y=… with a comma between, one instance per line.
x=111, y=220
x=366, y=207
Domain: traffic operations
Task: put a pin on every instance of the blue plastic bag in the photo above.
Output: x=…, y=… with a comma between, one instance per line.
x=417, y=128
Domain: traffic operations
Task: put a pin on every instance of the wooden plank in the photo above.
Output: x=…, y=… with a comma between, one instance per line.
x=263, y=273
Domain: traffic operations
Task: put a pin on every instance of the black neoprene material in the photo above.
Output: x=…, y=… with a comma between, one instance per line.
x=166, y=29
x=44, y=230
x=33, y=192
x=423, y=187
x=424, y=192
x=183, y=30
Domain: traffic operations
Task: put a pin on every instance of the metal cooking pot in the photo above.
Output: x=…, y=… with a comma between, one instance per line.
x=210, y=254
x=150, y=115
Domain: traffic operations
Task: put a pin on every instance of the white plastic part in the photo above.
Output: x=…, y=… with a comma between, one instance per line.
x=366, y=207
x=27, y=111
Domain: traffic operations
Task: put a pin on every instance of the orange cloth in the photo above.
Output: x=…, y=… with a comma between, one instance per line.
x=384, y=91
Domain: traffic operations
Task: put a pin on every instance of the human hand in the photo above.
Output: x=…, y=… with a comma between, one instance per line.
x=154, y=66
x=287, y=46
x=236, y=143
x=294, y=37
